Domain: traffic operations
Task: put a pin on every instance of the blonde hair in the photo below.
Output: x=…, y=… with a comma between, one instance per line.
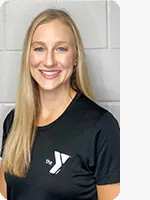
x=17, y=149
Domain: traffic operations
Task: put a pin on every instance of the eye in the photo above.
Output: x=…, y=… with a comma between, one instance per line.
x=39, y=49
x=62, y=49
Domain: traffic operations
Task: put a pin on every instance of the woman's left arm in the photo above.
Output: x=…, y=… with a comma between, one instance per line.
x=108, y=192
x=104, y=157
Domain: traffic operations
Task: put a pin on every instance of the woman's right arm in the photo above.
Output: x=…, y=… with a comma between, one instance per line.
x=3, y=188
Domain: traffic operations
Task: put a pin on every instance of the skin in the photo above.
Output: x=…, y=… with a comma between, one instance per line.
x=48, y=53
x=53, y=48
x=52, y=92
x=108, y=192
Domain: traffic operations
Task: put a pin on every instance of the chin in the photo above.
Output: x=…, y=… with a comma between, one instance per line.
x=47, y=88
x=54, y=86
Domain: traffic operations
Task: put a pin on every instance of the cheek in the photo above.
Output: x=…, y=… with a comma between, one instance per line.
x=67, y=61
x=34, y=60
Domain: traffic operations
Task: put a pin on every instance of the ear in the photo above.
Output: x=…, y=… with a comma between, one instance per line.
x=75, y=61
x=75, y=57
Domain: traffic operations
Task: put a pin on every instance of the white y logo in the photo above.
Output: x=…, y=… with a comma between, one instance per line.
x=60, y=159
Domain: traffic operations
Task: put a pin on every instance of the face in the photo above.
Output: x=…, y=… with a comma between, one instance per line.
x=52, y=55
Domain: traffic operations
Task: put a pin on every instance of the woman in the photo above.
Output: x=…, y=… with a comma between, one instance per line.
x=59, y=144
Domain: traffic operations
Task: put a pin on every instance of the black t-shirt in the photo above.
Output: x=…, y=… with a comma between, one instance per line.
x=70, y=156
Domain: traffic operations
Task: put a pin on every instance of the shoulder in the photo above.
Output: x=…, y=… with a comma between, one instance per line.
x=107, y=133
x=92, y=110
x=8, y=121
x=107, y=122
x=90, y=105
x=6, y=127
x=104, y=149
x=102, y=124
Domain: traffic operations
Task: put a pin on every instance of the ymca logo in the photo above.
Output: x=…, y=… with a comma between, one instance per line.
x=60, y=159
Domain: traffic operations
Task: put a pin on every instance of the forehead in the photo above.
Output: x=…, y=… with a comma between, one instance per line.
x=53, y=31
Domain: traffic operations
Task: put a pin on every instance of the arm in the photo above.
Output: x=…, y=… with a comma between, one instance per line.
x=2, y=183
x=106, y=163
x=108, y=192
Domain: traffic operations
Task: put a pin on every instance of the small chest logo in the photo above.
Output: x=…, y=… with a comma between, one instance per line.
x=60, y=159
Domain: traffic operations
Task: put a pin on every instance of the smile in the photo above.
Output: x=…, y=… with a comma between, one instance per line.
x=50, y=74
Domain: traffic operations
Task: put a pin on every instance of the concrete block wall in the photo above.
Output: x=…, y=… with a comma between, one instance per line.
x=98, y=22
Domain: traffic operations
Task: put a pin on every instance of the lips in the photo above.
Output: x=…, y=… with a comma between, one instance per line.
x=49, y=74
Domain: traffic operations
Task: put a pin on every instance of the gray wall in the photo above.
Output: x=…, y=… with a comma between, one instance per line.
x=98, y=22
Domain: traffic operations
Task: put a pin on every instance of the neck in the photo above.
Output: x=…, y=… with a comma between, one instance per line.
x=55, y=100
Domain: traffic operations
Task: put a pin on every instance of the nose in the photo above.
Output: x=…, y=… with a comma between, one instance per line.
x=49, y=59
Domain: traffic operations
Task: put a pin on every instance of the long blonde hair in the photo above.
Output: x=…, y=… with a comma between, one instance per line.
x=17, y=149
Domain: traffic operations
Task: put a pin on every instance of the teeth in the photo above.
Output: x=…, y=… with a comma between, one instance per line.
x=49, y=73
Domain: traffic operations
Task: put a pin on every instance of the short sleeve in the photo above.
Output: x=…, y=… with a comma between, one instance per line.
x=104, y=155
x=6, y=127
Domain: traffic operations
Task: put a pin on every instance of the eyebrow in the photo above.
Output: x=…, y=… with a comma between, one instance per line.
x=56, y=43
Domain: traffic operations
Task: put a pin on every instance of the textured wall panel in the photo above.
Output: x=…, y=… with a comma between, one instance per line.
x=9, y=70
x=104, y=71
x=1, y=27
x=114, y=24
x=90, y=17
